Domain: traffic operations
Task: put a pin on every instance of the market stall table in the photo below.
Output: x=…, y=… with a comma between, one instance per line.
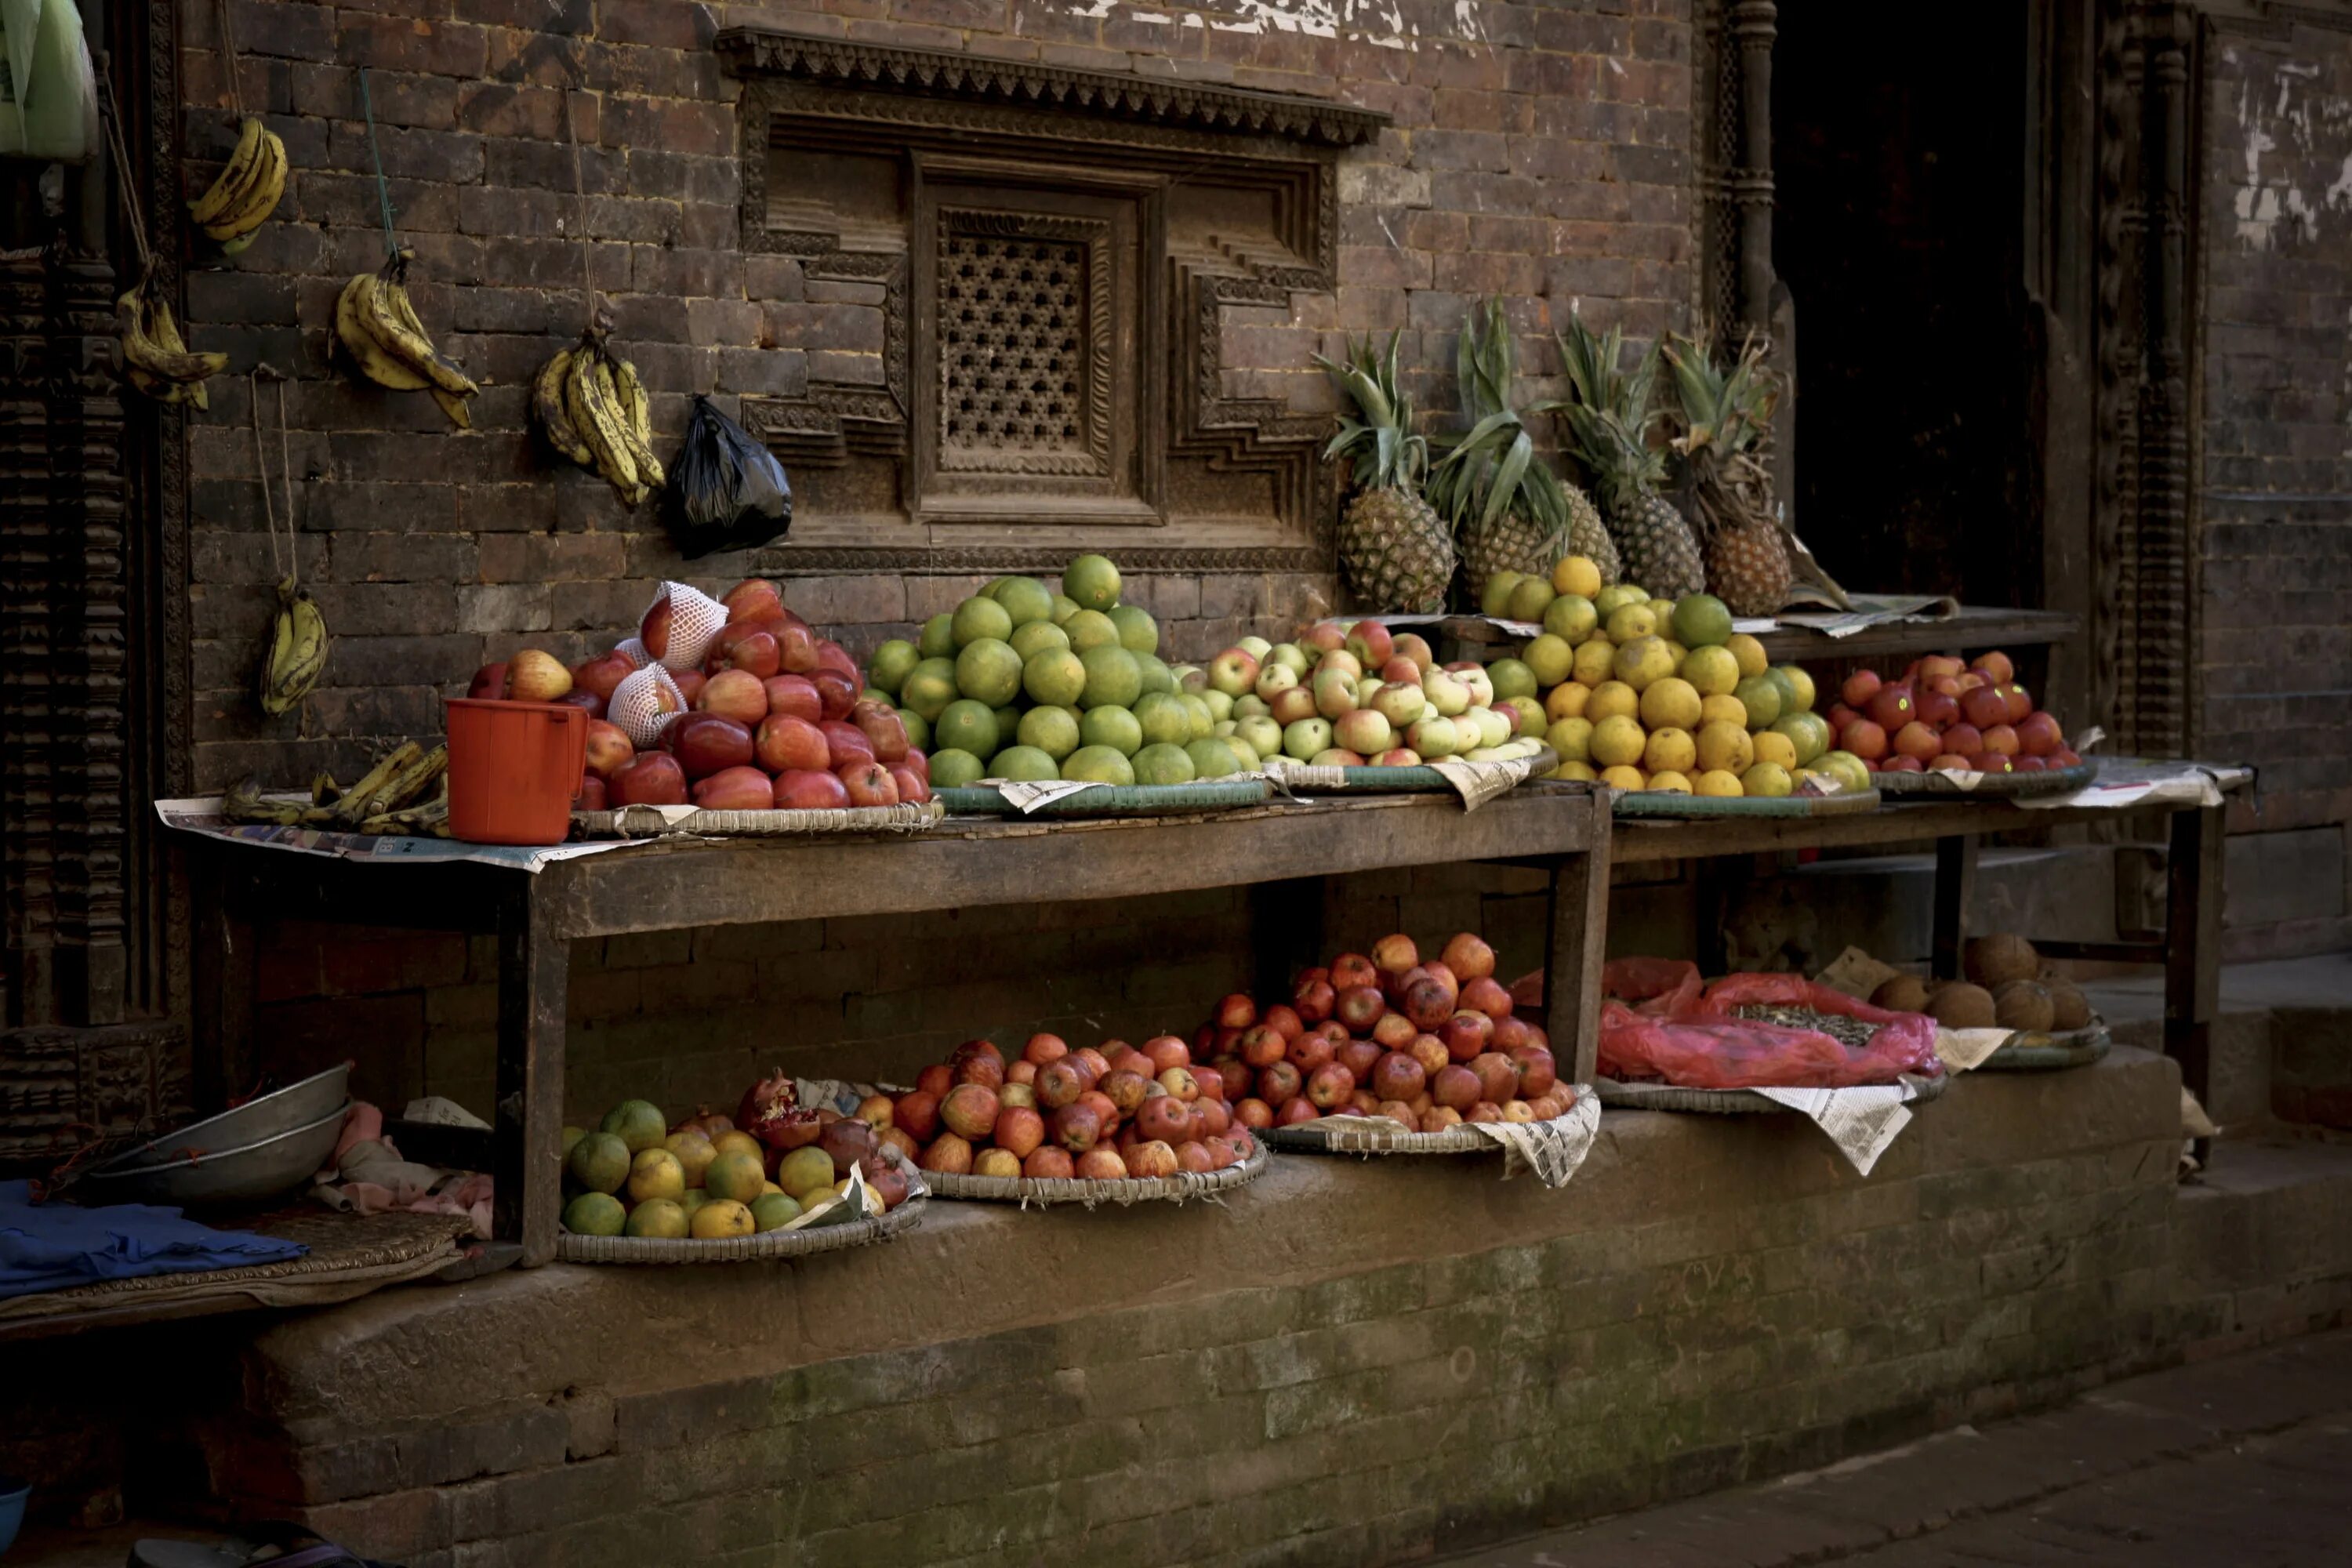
x=2190, y=949
x=1279, y=849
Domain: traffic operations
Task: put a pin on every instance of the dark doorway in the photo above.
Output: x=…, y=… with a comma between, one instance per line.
x=1898, y=146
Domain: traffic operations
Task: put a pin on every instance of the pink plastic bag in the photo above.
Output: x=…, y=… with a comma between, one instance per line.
x=1689, y=1039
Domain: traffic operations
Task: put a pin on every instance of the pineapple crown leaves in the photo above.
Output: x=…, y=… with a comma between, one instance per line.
x=1724, y=412
x=1385, y=450
x=1491, y=468
x=1608, y=411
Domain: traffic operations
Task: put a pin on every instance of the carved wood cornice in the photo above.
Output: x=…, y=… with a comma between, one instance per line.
x=837, y=62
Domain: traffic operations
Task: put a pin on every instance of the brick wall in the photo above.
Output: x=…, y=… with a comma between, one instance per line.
x=1538, y=151
x=2274, y=640
x=1350, y=1364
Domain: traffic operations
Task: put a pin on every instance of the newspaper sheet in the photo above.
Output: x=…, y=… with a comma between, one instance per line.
x=202, y=814
x=1861, y=1122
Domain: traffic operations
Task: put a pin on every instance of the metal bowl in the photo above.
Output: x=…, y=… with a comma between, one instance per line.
x=263, y=1169
x=265, y=1116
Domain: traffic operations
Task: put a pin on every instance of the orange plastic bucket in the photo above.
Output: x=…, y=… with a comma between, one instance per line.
x=514, y=768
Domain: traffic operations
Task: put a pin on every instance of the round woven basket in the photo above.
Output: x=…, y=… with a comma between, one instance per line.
x=1027, y=1190
x=646, y=822
x=2024, y=1052
x=573, y=1248
x=1990, y=786
x=1733, y=1101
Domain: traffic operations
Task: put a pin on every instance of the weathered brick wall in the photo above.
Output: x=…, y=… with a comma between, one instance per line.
x=1540, y=151
x=1352, y=1363
x=2276, y=601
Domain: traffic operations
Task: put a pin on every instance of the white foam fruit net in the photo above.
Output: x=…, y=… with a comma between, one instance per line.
x=695, y=618
x=637, y=704
x=633, y=651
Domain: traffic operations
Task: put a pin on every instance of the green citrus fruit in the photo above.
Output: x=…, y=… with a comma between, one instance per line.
x=1038, y=637
x=1064, y=608
x=636, y=1122
x=968, y=725
x=1025, y=765
x=931, y=687
x=1056, y=676
x=1156, y=676
x=1053, y=731
x=774, y=1211
x=1702, y=620
x=1511, y=677
x=1093, y=581
x=1495, y=594
x=890, y=664
x=594, y=1213
x=1761, y=696
x=1204, y=717
x=1091, y=628
x=918, y=729
x=1165, y=763
x=979, y=617
x=1571, y=617
x=1115, y=729
x=1164, y=720
x=953, y=768
x=1138, y=632
x=938, y=637
x=1113, y=677
x=736, y=1175
x=988, y=671
x=599, y=1162
x=1026, y=599
x=1530, y=597
x=1098, y=764
x=661, y=1218
x=1214, y=759
x=656, y=1173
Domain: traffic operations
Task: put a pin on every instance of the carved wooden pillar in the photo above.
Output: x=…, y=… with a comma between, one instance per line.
x=1754, y=24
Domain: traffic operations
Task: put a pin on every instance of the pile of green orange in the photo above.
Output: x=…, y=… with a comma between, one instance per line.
x=635, y=1176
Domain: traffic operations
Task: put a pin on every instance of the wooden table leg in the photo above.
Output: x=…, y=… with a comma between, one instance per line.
x=226, y=968
x=2192, y=946
x=1579, y=944
x=534, y=975
x=1955, y=888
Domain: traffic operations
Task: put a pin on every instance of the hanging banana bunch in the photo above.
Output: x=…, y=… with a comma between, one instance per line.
x=247, y=190
x=154, y=358
x=590, y=406
x=376, y=324
x=299, y=641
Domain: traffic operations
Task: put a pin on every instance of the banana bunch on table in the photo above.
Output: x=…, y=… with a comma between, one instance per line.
x=591, y=407
x=247, y=190
x=376, y=322
x=155, y=359
x=407, y=792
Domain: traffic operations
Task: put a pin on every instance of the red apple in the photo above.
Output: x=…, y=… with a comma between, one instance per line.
x=2020, y=704
x=1859, y=687
x=1253, y=1112
x=1043, y=1049
x=1164, y=1116
x=1538, y=1072
x=1371, y=643
x=1060, y=1083
x=688, y=683
x=1394, y=954
x=1124, y=1090
x=1891, y=708
x=949, y=1155
x=1359, y=1007
x=1509, y=1034
x=1167, y=1051
x=1466, y=1035
x=734, y=694
x=1498, y=1080
x=2029, y=765
x=601, y=674
x=1312, y=1049
x=796, y=650
x=745, y=645
x=1152, y=1159
x=650, y=778
x=1950, y=762
x=703, y=743
x=1330, y=1085
x=809, y=789
x=1963, y=741
x=590, y=797
x=1075, y=1127
x=1353, y=969
x=1984, y=707
x=1358, y=1057
x=1428, y=1003
x=869, y=784
x=1485, y=994
x=1284, y=1020
x=1262, y=1046
x=793, y=696
x=754, y=599
x=886, y=733
x=608, y=748
x=1467, y=958
x=1454, y=1087
x=846, y=744
x=1937, y=710
x=1431, y=1053
x=970, y=1110
x=1915, y=739
x=489, y=683
x=1181, y=1084
x=2001, y=740
x=1394, y=1031
x=1279, y=1083
x=1864, y=739
x=1840, y=716
x=1049, y=1163
x=917, y=1112
x=2038, y=735
x=1314, y=999
x=1018, y=1131
x=735, y=789
x=1993, y=763
x=1397, y=1075
x=1902, y=765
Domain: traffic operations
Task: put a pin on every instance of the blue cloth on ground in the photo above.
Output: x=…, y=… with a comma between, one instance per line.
x=49, y=1246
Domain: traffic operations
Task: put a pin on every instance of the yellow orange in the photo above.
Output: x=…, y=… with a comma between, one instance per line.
x=1592, y=662
x=1668, y=780
x=1725, y=747
x=1669, y=751
x=1567, y=699
x=1575, y=575
x=1775, y=748
x=1672, y=702
x=1572, y=738
x=1623, y=778
x=1612, y=699
x=1723, y=708
x=1750, y=653
x=1581, y=772
x=1718, y=784
x=1549, y=659
x=1616, y=742
x=1644, y=662
x=1712, y=671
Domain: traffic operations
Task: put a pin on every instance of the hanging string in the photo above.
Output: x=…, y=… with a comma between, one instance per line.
x=382, y=191
x=288, y=565
x=229, y=61
x=579, y=213
x=122, y=177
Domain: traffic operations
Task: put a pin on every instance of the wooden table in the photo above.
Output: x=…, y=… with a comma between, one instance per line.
x=2190, y=949
x=965, y=864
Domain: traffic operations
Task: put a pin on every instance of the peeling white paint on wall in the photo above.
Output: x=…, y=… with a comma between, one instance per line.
x=1379, y=22
x=2272, y=204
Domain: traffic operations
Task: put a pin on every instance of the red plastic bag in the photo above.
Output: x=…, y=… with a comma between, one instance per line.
x=1699, y=1044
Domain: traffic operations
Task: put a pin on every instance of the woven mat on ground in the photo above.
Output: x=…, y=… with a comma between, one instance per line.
x=349, y=1254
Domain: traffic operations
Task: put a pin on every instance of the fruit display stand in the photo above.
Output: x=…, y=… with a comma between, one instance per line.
x=2190, y=949
x=958, y=864
x=1972, y=626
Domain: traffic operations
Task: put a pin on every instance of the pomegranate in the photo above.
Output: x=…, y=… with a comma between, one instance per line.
x=771, y=1106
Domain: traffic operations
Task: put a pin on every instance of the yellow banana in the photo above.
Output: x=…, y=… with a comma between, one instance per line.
x=597, y=421
x=547, y=409
x=386, y=314
x=235, y=176
x=143, y=350
x=636, y=422
x=373, y=363
x=298, y=642
x=454, y=406
x=246, y=212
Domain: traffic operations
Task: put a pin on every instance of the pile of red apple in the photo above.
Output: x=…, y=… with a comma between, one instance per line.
x=1947, y=715
x=1427, y=1045
x=772, y=718
x=1101, y=1113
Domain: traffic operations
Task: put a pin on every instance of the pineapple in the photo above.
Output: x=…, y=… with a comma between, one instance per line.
x=1395, y=550
x=1510, y=513
x=1608, y=417
x=1725, y=418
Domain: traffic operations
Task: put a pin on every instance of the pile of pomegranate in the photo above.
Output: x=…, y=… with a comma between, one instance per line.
x=1949, y=715
x=1101, y=1112
x=733, y=704
x=1428, y=1045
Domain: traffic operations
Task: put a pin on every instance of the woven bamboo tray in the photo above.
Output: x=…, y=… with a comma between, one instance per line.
x=1113, y=800
x=1376, y=1135
x=1734, y=1102
x=2034, y=1052
x=1042, y=1190
x=1371, y=779
x=1989, y=786
x=647, y=822
x=770, y=1243
x=1673, y=806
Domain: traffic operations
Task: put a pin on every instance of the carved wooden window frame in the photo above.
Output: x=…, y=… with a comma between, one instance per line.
x=945, y=110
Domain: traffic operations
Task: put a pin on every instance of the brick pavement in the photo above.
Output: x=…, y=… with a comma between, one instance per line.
x=2239, y=1461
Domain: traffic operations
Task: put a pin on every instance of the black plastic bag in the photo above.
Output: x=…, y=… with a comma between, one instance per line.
x=726, y=491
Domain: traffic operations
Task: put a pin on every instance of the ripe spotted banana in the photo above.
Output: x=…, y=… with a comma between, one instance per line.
x=391, y=319
x=636, y=422
x=236, y=175
x=154, y=359
x=366, y=352
x=298, y=642
x=547, y=409
x=258, y=195
x=588, y=399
